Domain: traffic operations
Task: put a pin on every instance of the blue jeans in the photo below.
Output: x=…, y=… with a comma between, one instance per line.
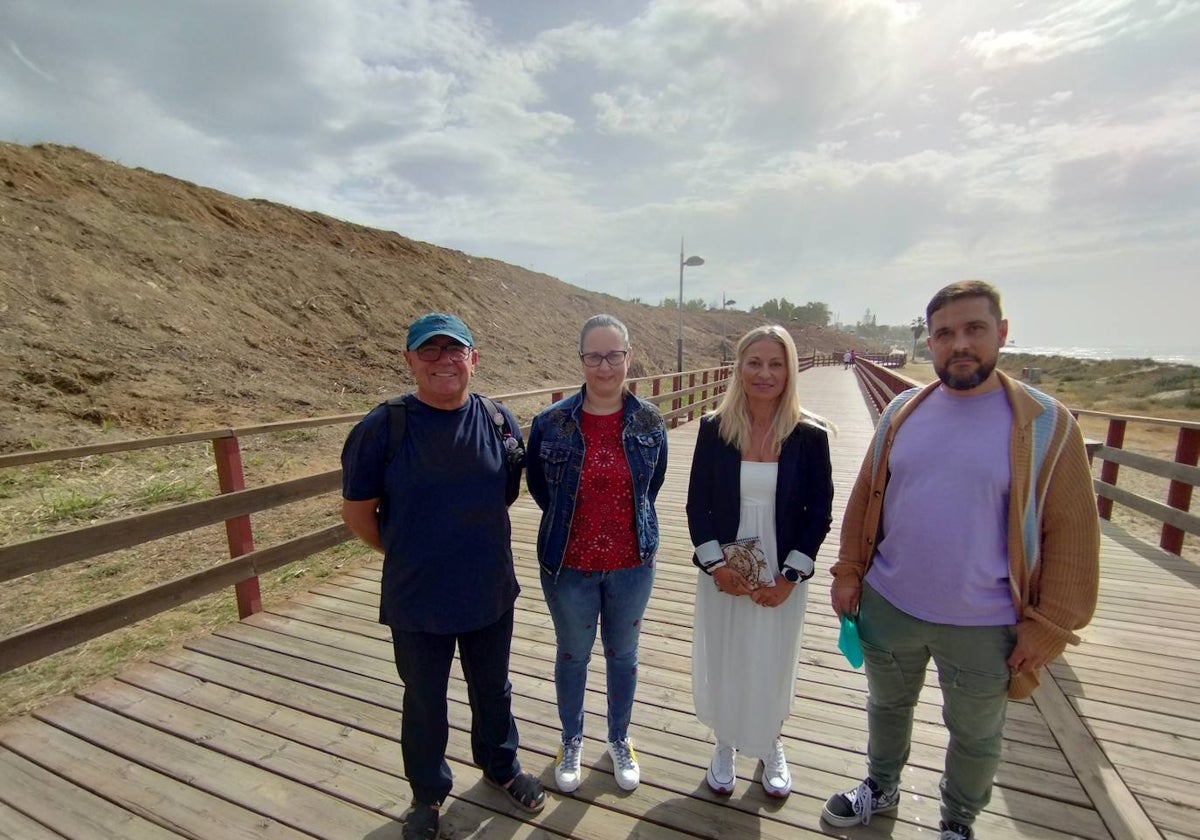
x=576, y=600
x=423, y=662
x=973, y=676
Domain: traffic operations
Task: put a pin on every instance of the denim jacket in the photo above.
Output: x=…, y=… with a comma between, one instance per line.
x=554, y=465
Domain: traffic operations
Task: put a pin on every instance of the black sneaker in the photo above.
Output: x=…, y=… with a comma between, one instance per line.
x=857, y=805
x=422, y=822
x=956, y=831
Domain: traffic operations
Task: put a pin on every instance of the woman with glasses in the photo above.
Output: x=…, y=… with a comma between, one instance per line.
x=758, y=509
x=595, y=462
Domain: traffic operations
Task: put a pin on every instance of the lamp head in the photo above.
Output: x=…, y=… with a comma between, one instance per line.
x=694, y=261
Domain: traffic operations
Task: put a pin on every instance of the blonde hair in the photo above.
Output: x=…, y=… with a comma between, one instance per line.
x=734, y=412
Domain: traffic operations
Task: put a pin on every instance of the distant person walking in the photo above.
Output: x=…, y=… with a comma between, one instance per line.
x=596, y=462
x=435, y=502
x=847, y=360
x=758, y=508
x=970, y=537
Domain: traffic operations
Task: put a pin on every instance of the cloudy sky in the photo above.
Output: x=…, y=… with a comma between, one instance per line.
x=862, y=153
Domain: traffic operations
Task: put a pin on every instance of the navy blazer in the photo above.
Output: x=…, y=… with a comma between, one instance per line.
x=803, y=491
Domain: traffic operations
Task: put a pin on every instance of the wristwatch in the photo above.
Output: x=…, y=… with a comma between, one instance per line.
x=790, y=574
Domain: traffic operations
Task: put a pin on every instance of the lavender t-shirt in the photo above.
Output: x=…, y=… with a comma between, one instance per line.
x=943, y=556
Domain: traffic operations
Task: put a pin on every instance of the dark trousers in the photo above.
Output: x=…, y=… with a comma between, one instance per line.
x=423, y=662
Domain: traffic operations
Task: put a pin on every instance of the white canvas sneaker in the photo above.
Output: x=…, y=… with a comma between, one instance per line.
x=776, y=778
x=625, y=764
x=567, y=772
x=721, y=775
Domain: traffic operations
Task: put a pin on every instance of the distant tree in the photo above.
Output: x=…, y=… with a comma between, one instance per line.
x=813, y=312
x=917, y=327
x=694, y=305
x=776, y=309
x=867, y=326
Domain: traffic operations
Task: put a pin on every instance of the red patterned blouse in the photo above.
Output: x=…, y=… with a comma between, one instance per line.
x=603, y=535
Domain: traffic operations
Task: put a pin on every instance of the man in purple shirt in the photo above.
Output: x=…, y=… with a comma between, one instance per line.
x=970, y=538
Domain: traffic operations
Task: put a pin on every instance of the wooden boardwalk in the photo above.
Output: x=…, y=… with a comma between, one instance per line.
x=285, y=725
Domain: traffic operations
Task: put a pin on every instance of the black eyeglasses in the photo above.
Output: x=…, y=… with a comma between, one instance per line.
x=614, y=358
x=433, y=352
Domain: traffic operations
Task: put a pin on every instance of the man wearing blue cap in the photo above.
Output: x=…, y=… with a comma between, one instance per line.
x=435, y=503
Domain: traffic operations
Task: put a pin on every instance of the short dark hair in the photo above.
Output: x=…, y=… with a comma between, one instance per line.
x=964, y=289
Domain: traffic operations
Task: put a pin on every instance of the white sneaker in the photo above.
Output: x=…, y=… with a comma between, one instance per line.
x=721, y=775
x=567, y=773
x=776, y=778
x=625, y=764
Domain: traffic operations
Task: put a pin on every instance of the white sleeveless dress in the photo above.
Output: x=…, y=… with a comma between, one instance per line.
x=745, y=657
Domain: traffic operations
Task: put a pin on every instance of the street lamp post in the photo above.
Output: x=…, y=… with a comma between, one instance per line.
x=692, y=261
x=724, y=303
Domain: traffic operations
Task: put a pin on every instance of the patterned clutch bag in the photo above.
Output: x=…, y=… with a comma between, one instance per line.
x=746, y=557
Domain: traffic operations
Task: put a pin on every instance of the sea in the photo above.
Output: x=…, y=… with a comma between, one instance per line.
x=1172, y=355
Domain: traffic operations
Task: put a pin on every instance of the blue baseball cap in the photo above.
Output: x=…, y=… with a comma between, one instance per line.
x=437, y=323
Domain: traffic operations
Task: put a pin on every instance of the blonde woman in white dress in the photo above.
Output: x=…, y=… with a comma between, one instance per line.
x=759, y=507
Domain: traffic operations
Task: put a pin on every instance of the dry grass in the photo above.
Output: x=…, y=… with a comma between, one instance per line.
x=48, y=498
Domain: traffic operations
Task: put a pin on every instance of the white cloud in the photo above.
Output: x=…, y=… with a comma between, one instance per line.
x=859, y=152
x=1075, y=27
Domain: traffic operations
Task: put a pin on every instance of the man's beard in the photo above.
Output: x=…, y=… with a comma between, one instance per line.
x=969, y=381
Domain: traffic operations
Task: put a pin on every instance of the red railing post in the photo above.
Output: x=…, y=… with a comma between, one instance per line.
x=691, y=397
x=1108, y=472
x=676, y=386
x=704, y=395
x=633, y=387
x=1179, y=493
x=231, y=478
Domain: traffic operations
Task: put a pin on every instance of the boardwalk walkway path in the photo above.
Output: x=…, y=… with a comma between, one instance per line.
x=285, y=725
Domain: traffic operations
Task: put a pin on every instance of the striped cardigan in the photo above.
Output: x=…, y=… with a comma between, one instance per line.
x=1053, y=530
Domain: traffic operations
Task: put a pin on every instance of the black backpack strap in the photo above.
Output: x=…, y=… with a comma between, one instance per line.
x=514, y=449
x=397, y=423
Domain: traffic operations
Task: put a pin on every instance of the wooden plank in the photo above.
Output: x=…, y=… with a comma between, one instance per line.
x=1163, y=513
x=1118, y=807
x=56, y=550
x=649, y=716
x=382, y=754
x=1148, y=464
x=41, y=641
x=289, y=802
x=67, y=809
x=660, y=761
x=41, y=456
x=14, y=824
x=158, y=798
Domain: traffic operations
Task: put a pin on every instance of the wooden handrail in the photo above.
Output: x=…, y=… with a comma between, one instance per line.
x=41, y=641
x=23, y=558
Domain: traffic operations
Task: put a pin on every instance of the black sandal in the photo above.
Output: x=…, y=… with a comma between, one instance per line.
x=525, y=791
x=422, y=822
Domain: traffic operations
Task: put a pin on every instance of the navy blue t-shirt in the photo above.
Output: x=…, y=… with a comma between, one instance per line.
x=444, y=524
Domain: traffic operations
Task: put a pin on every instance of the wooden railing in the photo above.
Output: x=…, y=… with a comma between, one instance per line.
x=888, y=360
x=689, y=394
x=1181, y=473
x=881, y=385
